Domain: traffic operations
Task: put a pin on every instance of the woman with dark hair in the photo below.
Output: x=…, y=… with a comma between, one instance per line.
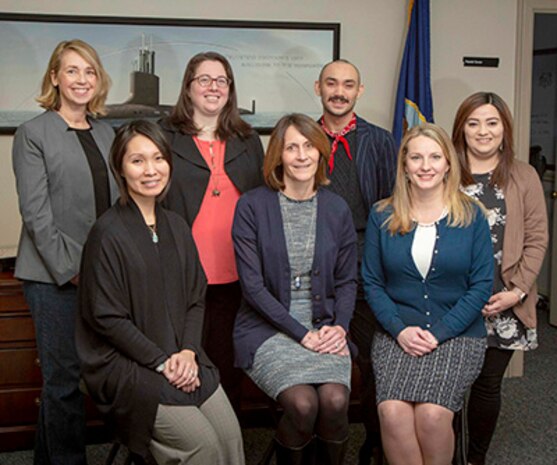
x=296, y=252
x=427, y=274
x=63, y=184
x=141, y=314
x=513, y=196
x=217, y=157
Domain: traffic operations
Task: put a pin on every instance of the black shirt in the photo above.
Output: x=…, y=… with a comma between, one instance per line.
x=98, y=168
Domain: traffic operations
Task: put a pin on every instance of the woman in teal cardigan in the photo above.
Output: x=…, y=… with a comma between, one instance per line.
x=427, y=272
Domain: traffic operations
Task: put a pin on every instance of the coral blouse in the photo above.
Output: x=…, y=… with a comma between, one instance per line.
x=212, y=228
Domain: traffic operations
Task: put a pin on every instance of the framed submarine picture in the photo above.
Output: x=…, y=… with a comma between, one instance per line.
x=275, y=63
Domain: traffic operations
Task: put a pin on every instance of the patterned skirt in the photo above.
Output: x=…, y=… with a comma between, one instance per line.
x=281, y=362
x=441, y=377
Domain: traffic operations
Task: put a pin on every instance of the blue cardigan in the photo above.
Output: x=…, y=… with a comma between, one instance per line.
x=264, y=270
x=449, y=301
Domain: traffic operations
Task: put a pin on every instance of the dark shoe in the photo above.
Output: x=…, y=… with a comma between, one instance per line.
x=303, y=455
x=331, y=452
x=370, y=453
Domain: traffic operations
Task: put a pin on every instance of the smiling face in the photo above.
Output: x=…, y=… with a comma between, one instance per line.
x=76, y=81
x=339, y=88
x=208, y=101
x=425, y=164
x=144, y=169
x=483, y=132
x=300, y=159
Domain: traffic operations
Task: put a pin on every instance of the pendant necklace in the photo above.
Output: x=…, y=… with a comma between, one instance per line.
x=153, y=231
x=215, y=192
x=297, y=280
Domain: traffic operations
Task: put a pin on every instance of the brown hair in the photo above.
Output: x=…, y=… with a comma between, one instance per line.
x=459, y=205
x=229, y=121
x=50, y=95
x=120, y=145
x=273, y=172
x=506, y=156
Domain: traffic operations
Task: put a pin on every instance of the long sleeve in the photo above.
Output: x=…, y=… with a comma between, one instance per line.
x=346, y=272
x=105, y=304
x=373, y=275
x=387, y=173
x=535, y=236
x=471, y=303
x=196, y=287
x=58, y=251
x=250, y=270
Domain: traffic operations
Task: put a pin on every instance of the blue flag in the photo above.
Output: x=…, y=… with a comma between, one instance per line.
x=413, y=98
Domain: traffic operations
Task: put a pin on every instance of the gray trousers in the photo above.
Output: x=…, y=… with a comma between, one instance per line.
x=209, y=434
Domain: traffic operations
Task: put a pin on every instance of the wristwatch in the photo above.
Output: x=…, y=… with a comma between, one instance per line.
x=521, y=294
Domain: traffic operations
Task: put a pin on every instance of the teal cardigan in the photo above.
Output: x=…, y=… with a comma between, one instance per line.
x=449, y=301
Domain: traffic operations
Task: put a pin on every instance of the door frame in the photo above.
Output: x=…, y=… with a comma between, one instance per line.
x=522, y=114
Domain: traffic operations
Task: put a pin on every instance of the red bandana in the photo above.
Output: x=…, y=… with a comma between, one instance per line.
x=339, y=137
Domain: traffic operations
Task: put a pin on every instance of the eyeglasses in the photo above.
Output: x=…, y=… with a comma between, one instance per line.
x=205, y=80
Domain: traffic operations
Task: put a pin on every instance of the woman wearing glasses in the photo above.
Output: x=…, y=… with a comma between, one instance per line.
x=217, y=157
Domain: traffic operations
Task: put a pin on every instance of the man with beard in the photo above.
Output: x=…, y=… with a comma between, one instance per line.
x=362, y=170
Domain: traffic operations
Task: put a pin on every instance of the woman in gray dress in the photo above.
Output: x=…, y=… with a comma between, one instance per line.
x=296, y=254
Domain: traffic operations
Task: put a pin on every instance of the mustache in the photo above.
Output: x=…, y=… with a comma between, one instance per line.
x=339, y=98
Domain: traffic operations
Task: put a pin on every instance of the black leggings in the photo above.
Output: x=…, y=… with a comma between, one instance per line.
x=485, y=403
x=309, y=410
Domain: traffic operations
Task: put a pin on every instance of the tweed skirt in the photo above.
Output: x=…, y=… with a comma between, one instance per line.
x=281, y=362
x=441, y=377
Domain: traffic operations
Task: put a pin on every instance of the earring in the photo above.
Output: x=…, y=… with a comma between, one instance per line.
x=501, y=147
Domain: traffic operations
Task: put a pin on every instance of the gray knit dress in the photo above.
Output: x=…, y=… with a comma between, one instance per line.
x=281, y=362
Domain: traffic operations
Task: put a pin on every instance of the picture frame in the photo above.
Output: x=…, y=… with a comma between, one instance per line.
x=275, y=64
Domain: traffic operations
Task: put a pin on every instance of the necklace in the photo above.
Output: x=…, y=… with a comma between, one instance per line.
x=215, y=179
x=153, y=231
x=305, y=258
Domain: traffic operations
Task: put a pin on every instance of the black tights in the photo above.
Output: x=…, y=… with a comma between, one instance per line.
x=485, y=403
x=309, y=410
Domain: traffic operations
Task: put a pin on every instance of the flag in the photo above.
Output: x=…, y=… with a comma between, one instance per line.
x=413, y=98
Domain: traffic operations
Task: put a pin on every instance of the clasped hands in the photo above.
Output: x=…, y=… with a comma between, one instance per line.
x=181, y=370
x=327, y=340
x=416, y=341
x=500, y=302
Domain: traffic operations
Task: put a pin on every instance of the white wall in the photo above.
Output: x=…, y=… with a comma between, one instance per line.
x=372, y=36
x=484, y=28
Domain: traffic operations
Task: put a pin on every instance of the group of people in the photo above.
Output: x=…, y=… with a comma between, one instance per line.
x=161, y=262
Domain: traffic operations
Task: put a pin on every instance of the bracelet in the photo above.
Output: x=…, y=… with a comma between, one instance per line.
x=160, y=368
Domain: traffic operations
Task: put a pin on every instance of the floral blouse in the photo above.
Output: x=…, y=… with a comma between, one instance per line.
x=504, y=330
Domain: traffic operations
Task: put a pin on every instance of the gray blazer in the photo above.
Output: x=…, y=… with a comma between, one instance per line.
x=56, y=196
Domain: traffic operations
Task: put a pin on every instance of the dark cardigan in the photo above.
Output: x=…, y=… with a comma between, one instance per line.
x=449, y=300
x=264, y=270
x=139, y=302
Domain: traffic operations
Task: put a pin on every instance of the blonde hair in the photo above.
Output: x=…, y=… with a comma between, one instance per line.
x=50, y=96
x=460, y=207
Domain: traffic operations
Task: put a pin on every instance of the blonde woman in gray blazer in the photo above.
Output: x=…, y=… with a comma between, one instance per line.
x=63, y=184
